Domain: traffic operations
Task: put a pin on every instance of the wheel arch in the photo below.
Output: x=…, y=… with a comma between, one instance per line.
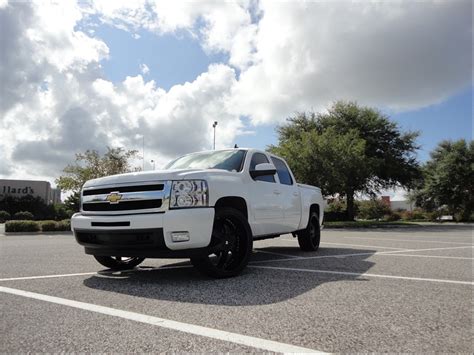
x=317, y=209
x=235, y=202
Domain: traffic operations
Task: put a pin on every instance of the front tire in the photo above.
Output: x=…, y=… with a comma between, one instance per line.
x=119, y=262
x=309, y=238
x=231, y=245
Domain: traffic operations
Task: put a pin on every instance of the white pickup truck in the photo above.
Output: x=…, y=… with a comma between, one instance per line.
x=207, y=206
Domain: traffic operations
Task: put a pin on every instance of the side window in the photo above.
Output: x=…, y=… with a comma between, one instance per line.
x=259, y=158
x=282, y=171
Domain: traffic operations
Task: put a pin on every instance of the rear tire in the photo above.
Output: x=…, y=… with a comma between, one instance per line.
x=309, y=238
x=231, y=245
x=119, y=262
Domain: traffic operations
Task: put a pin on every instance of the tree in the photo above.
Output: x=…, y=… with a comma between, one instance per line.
x=90, y=165
x=347, y=150
x=33, y=204
x=448, y=179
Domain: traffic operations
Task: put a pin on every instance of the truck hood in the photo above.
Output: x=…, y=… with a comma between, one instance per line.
x=156, y=175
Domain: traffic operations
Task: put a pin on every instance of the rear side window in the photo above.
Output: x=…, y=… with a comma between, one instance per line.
x=282, y=171
x=259, y=158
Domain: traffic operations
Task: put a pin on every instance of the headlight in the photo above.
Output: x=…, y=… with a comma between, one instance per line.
x=189, y=193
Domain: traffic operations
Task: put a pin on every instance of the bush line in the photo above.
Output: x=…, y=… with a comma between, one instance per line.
x=38, y=226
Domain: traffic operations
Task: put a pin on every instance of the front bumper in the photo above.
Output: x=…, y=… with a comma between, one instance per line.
x=146, y=235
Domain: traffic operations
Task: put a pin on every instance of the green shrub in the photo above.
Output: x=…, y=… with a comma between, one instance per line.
x=413, y=215
x=35, y=205
x=64, y=225
x=418, y=214
x=22, y=226
x=335, y=211
x=49, y=226
x=4, y=216
x=373, y=209
x=23, y=216
x=334, y=216
x=432, y=216
x=392, y=217
x=61, y=212
x=336, y=206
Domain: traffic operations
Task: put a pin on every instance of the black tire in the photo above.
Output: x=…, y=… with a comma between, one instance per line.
x=230, y=247
x=309, y=238
x=119, y=262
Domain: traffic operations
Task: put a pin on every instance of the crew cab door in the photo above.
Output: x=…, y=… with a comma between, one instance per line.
x=290, y=195
x=265, y=200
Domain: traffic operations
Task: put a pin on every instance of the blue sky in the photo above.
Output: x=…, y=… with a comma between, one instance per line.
x=172, y=58
x=178, y=58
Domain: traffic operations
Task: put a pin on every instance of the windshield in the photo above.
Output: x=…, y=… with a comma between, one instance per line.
x=230, y=160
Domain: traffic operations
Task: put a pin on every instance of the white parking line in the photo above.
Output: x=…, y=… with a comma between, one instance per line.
x=280, y=254
x=105, y=272
x=363, y=274
x=293, y=258
x=47, y=276
x=363, y=245
x=350, y=245
x=428, y=249
x=430, y=256
x=408, y=240
x=364, y=253
x=259, y=343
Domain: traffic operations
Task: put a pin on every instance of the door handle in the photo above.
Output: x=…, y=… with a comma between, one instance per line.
x=276, y=192
x=295, y=193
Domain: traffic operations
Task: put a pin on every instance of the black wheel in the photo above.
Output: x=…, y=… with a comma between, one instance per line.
x=309, y=238
x=231, y=245
x=119, y=262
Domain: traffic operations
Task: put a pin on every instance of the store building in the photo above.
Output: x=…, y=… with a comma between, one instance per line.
x=19, y=188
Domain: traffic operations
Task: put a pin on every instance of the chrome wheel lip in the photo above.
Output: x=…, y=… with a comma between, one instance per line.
x=124, y=260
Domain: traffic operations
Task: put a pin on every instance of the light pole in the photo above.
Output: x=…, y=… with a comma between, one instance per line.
x=153, y=162
x=214, y=126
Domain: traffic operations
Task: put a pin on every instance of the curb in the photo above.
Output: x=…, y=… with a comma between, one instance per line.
x=33, y=233
x=373, y=227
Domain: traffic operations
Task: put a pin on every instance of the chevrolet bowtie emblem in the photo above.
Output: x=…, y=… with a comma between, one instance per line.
x=114, y=197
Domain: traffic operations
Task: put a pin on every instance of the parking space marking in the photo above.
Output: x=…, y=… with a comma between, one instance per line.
x=105, y=272
x=408, y=240
x=430, y=256
x=258, y=343
x=364, y=274
x=350, y=245
x=47, y=276
x=314, y=257
x=365, y=246
x=292, y=258
x=361, y=254
x=280, y=254
x=427, y=249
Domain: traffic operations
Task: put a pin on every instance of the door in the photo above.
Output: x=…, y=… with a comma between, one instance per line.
x=265, y=200
x=290, y=196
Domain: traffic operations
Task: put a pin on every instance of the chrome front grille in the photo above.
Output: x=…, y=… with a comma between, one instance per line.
x=136, y=197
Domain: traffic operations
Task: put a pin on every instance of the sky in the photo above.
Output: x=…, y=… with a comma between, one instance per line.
x=91, y=74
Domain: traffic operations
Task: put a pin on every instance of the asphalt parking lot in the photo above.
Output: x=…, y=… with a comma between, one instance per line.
x=383, y=290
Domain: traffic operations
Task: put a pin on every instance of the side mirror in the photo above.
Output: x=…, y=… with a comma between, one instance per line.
x=263, y=169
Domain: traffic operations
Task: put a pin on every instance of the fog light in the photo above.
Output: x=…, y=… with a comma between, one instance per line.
x=179, y=236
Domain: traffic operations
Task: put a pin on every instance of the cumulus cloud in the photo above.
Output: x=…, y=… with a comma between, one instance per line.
x=282, y=57
x=225, y=26
x=44, y=71
x=398, y=55
x=292, y=56
x=60, y=103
